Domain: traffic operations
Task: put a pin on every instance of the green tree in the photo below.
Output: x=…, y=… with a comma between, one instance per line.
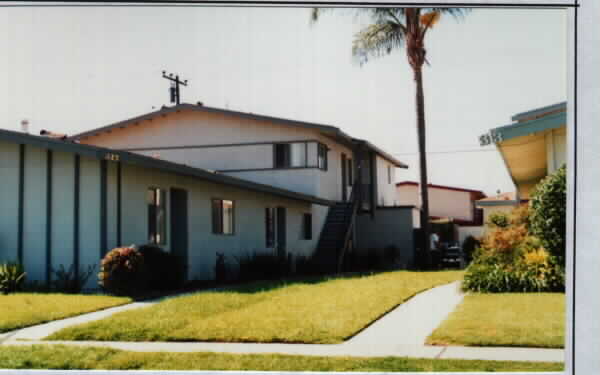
x=396, y=28
x=548, y=218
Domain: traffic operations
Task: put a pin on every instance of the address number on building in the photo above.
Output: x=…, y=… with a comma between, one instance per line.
x=490, y=138
x=111, y=157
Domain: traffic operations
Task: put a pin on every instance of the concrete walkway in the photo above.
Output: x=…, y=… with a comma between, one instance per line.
x=401, y=333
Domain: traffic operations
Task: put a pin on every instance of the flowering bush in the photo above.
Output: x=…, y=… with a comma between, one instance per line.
x=511, y=259
x=122, y=271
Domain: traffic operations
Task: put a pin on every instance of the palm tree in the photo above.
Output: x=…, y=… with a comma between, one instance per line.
x=391, y=29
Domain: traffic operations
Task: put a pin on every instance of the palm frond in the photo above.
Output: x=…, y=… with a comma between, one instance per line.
x=455, y=12
x=377, y=40
x=429, y=19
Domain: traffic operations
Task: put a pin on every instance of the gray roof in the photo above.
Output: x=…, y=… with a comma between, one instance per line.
x=153, y=163
x=328, y=130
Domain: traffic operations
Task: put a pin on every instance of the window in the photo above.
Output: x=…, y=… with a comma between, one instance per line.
x=389, y=174
x=322, y=157
x=290, y=155
x=222, y=216
x=270, y=227
x=281, y=155
x=157, y=225
x=297, y=155
x=307, y=226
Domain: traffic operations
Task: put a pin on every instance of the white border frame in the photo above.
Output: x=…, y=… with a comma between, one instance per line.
x=582, y=346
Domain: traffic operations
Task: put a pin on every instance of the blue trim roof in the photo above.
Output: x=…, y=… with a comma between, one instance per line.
x=539, y=111
x=520, y=129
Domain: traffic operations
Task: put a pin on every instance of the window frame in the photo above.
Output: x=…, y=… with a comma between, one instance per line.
x=219, y=220
x=322, y=151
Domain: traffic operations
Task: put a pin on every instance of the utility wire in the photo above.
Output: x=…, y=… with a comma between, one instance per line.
x=471, y=150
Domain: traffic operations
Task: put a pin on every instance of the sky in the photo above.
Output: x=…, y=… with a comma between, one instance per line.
x=71, y=69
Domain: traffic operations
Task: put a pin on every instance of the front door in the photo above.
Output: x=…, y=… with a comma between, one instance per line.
x=179, y=226
x=281, y=232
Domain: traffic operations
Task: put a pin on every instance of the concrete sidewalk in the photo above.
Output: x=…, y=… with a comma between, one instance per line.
x=400, y=333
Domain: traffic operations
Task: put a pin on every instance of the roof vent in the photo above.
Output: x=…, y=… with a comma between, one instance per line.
x=50, y=134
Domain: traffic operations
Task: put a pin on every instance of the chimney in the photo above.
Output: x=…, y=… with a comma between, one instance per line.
x=25, y=126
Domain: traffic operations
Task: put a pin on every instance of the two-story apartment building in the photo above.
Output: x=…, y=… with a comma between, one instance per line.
x=197, y=180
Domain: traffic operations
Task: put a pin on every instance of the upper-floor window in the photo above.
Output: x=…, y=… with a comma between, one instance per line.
x=157, y=223
x=389, y=170
x=322, y=156
x=222, y=216
x=297, y=155
x=290, y=155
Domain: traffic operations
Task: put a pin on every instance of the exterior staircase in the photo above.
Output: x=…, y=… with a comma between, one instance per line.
x=336, y=236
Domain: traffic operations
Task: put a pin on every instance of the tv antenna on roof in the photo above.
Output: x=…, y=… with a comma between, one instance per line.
x=174, y=89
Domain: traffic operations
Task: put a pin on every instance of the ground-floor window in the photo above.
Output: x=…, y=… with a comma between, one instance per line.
x=307, y=226
x=222, y=216
x=157, y=223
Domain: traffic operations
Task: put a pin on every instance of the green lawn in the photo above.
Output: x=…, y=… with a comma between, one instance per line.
x=511, y=319
x=25, y=309
x=317, y=311
x=63, y=358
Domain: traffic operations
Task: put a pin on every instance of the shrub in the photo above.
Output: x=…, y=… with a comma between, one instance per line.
x=262, y=266
x=498, y=219
x=161, y=270
x=69, y=281
x=511, y=259
x=220, y=268
x=548, y=213
x=121, y=271
x=12, y=277
x=391, y=256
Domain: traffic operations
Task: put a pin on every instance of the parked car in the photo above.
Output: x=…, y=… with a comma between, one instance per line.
x=453, y=257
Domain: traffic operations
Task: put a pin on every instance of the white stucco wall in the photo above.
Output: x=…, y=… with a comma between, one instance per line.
x=34, y=214
x=390, y=226
x=442, y=202
x=249, y=214
x=63, y=205
x=9, y=202
x=386, y=188
x=249, y=219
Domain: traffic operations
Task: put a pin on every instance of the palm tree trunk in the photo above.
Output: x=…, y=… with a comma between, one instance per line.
x=422, y=162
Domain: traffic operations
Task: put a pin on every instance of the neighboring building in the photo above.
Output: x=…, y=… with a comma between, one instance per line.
x=504, y=202
x=444, y=202
x=197, y=181
x=457, y=205
x=533, y=146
